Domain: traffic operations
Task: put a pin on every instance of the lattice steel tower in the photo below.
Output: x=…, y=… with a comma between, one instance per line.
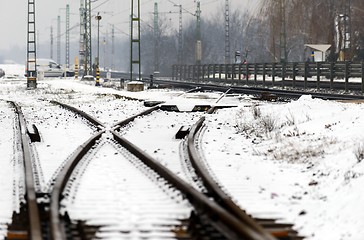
x=31, y=47
x=180, y=37
x=198, y=34
x=51, y=50
x=113, y=47
x=156, y=38
x=135, y=38
x=227, y=32
x=67, y=36
x=81, y=51
x=283, y=36
x=59, y=39
x=87, y=39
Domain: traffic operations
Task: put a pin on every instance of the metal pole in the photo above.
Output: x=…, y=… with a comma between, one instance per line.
x=31, y=47
x=113, y=47
x=156, y=38
x=51, y=50
x=59, y=39
x=98, y=18
x=82, y=35
x=283, y=36
x=180, y=36
x=227, y=32
x=198, y=34
x=67, y=36
x=87, y=38
x=135, y=23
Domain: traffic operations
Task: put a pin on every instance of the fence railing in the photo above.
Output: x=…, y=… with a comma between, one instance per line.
x=330, y=75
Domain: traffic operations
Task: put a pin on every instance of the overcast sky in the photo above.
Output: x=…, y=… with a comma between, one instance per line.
x=13, y=16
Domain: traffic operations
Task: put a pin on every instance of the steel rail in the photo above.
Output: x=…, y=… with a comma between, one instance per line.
x=57, y=230
x=214, y=190
x=221, y=219
x=32, y=205
x=270, y=229
x=122, y=123
x=259, y=90
x=56, y=226
x=100, y=125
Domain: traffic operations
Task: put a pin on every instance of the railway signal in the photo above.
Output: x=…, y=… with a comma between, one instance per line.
x=98, y=18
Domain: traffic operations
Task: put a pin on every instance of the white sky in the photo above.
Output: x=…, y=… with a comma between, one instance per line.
x=13, y=16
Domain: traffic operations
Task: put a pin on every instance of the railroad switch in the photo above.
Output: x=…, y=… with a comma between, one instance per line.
x=152, y=103
x=171, y=108
x=182, y=132
x=34, y=135
x=201, y=108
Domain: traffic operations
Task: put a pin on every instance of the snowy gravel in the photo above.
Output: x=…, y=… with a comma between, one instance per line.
x=301, y=161
x=59, y=137
x=155, y=134
x=108, y=108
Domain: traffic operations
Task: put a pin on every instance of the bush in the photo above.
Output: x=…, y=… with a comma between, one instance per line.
x=359, y=152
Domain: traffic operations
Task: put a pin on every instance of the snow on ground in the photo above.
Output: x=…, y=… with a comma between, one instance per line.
x=301, y=160
x=58, y=137
x=6, y=164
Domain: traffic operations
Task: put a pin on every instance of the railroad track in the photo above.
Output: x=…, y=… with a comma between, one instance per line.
x=207, y=215
x=37, y=189
x=269, y=228
x=199, y=176
x=33, y=217
x=261, y=93
x=229, y=227
x=219, y=219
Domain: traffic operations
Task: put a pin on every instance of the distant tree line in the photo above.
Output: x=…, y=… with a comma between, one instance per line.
x=331, y=22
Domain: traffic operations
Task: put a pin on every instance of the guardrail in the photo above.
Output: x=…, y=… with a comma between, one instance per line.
x=330, y=75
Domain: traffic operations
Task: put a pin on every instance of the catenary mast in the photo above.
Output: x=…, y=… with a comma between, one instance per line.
x=31, y=47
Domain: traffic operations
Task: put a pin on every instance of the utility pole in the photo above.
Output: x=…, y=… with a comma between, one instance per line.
x=59, y=39
x=156, y=39
x=82, y=34
x=198, y=34
x=227, y=32
x=98, y=18
x=135, y=38
x=106, y=55
x=87, y=38
x=31, y=48
x=67, y=36
x=283, y=35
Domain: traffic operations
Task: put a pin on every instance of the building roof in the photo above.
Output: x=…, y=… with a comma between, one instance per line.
x=319, y=47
